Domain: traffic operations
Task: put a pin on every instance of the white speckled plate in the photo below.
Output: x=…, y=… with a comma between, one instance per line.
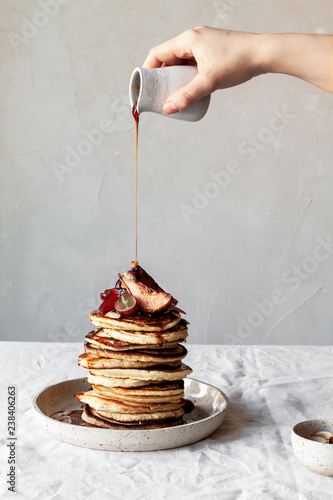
x=208, y=400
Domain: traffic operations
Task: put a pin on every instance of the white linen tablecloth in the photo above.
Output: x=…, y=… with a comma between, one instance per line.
x=249, y=457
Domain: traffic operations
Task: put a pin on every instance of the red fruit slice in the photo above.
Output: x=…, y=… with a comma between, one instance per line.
x=107, y=305
x=105, y=293
x=125, y=304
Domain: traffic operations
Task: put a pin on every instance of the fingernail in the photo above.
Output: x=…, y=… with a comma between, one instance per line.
x=169, y=108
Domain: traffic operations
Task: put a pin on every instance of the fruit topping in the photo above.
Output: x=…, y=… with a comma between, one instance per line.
x=144, y=278
x=120, y=287
x=113, y=315
x=149, y=300
x=136, y=288
x=109, y=298
x=125, y=304
x=104, y=294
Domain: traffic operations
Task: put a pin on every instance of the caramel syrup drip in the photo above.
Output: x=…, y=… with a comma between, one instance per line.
x=136, y=118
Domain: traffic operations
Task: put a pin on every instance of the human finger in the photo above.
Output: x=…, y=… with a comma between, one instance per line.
x=173, y=52
x=184, y=97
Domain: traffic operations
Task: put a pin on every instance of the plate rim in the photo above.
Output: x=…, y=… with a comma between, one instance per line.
x=98, y=430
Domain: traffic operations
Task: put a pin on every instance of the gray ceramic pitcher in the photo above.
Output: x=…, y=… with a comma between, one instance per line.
x=149, y=88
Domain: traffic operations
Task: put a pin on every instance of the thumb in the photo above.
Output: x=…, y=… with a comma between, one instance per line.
x=186, y=96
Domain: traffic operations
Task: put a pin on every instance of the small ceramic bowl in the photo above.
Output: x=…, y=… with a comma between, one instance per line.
x=318, y=457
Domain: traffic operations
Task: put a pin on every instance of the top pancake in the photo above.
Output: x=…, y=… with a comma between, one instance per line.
x=138, y=322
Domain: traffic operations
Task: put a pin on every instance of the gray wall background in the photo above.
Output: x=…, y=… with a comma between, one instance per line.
x=249, y=256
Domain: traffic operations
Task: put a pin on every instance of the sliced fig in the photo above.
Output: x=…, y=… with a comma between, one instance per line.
x=144, y=278
x=149, y=300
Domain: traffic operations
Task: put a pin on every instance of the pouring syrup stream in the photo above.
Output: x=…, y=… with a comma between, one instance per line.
x=136, y=118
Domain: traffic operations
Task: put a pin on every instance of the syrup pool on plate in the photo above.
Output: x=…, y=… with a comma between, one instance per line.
x=73, y=417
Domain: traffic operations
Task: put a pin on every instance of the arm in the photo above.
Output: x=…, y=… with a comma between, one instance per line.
x=228, y=58
x=305, y=56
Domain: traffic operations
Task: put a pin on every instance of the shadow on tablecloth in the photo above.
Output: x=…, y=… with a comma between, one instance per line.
x=239, y=421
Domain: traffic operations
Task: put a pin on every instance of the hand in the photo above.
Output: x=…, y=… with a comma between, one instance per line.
x=223, y=58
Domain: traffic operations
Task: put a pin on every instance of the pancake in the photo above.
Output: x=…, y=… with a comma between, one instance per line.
x=116, y=382
x=160, y=374
x=161, y=355
x=113, y=405
x=90, y=361
x=149, y=394
x=178, y=333
x=91, y=416
x=140, y=417
x=161, y=389
x=138, y=322
x=99, y=339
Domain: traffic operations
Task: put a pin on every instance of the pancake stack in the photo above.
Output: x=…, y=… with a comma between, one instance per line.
x=135, y=361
